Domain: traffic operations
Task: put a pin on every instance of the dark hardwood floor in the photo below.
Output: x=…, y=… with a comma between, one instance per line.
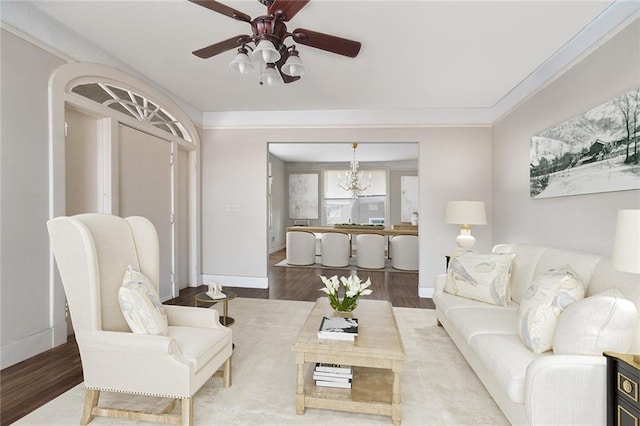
x=34, y=382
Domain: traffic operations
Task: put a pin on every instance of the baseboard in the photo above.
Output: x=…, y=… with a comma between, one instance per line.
x=14, y=352
x=425, y=292
x=277, y=248
x=235, y=281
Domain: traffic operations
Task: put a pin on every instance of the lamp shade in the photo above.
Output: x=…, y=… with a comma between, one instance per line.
x=267, y=51
x=626, y=246
x=270, y=76
x=293, y=66
x=242, y=63
x=466, y=213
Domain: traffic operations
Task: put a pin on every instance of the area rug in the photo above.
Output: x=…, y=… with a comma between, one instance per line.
x=352, y=265
x=438, y=386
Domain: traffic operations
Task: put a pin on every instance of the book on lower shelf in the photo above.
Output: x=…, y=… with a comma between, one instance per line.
x=333, y=368
x=338, y=328
x=338, y=376
x=329, y=384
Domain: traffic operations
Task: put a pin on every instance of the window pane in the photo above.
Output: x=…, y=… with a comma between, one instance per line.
x=337, y=211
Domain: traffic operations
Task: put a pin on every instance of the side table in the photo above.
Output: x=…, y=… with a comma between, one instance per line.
x=225, y=319
x=623, y=395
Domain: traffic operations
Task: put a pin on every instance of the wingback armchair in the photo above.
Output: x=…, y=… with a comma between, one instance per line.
x=92, y=252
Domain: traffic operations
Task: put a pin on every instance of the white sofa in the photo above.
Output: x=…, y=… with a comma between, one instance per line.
x=544, y=389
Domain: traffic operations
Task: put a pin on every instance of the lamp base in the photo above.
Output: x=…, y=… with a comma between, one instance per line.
x=465, y=240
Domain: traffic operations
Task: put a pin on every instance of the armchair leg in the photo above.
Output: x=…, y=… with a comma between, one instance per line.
x=227, y=373
x=91, y=398
x=187, y=411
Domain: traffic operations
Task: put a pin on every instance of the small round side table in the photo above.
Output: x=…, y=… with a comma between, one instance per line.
x=225, y=319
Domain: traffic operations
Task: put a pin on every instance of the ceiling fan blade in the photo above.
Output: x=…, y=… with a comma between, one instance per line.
x=333, y=44
x=287, y=8
x=223, y=46
x=284, y=55
x=221, y=8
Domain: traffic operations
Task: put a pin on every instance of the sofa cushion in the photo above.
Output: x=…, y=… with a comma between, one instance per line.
x=546, y=298
x=140, y=304
x=445, y=302
x=523, y=269
x=483, y=277
x=470, y=322
x=602, y=322
x=506, y=359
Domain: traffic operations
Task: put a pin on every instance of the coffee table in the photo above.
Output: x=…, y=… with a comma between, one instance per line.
x=225, y=319
x=377, y=356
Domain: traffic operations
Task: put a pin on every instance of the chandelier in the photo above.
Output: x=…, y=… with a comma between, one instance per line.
x=354, y=180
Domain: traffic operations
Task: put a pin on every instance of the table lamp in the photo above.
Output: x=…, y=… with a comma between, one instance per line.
x=465, y=214
x=626, y=246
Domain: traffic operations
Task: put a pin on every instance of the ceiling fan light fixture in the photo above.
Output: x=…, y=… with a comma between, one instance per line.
x=242, y=63
x=267, y=51
x=269, y=76
x=293, y=65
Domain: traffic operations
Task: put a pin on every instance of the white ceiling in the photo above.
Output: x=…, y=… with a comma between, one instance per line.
x=415, y=54
x=343, y=152
x=421, y=61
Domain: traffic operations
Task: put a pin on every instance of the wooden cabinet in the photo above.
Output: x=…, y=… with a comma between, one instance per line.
x=623, y=395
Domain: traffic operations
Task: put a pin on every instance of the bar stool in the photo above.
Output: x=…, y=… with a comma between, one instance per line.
x=335, y=249
x=301, y=248
x=370, y=251
x=404, y=252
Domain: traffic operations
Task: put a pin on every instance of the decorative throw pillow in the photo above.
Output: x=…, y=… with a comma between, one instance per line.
x=483, y=277
x=602, y=322
x=141, y=305
x=543, y=302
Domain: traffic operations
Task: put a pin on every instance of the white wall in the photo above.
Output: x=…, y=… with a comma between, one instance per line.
x=277, y=236
x=582, y=222
x=455, y=163
x=25, y=304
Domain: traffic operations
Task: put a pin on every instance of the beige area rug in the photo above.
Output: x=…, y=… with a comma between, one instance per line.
x=352, y=265
x=438, y=386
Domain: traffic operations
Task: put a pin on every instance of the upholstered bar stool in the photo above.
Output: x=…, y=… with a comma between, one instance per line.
x=335, y=249
x=370, y=251
x=404, y=252
x=301, y=248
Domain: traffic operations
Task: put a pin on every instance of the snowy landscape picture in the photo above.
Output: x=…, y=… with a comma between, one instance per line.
x=593, y=152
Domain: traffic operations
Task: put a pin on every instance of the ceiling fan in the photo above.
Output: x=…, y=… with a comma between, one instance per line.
x=266, y=42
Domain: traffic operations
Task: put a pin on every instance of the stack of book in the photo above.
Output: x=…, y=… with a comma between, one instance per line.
x=338, y=328
x=333, y=375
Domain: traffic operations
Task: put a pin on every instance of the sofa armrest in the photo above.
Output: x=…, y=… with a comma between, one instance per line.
x=192, y=317
x=439, y=283
x=567, y=390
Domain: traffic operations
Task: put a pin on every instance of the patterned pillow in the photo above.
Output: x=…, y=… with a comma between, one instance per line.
x=482, y=277
x=141, y=305
x=543, y=302
x=602, y=322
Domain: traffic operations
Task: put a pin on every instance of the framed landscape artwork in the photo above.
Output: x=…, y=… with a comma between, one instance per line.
x=303, y=196
x=593, y=152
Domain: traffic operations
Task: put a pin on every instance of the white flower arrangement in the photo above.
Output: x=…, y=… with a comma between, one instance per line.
x=353, y=289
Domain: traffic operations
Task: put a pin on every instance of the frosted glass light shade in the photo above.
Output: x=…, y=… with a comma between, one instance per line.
x=293, y=66
x=267, y=52
x=270, y=76
x=626, y=246
x=242, y=63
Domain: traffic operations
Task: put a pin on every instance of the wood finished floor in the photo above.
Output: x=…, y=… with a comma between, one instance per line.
x=34, y=382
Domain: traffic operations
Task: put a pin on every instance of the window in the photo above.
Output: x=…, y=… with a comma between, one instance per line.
x=369, y=207
x=134, y=105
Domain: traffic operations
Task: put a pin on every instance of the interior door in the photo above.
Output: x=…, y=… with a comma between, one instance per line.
x=145, y=188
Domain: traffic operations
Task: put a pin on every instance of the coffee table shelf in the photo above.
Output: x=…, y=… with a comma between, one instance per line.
x=370, y=393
